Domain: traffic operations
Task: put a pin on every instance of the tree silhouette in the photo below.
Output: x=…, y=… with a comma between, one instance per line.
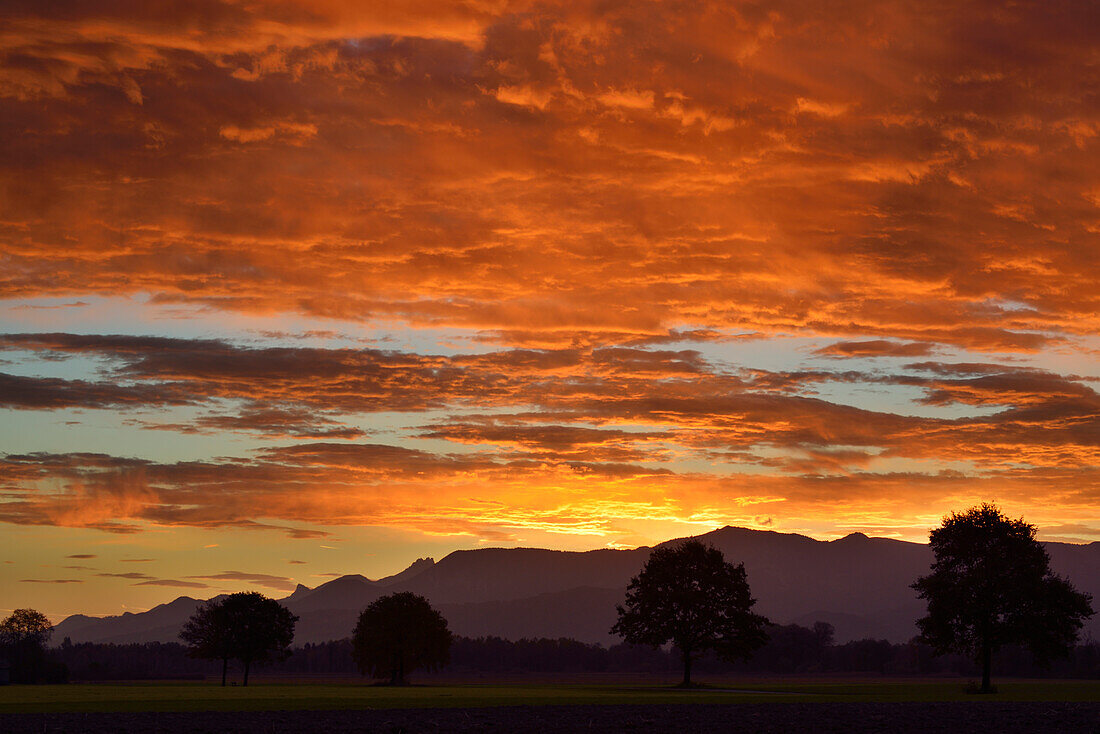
x=207, y=634
x=991, y=585
x=262, y=628
x=23, y=637
x=245, y=626
x=398, y=634
x=688, y=594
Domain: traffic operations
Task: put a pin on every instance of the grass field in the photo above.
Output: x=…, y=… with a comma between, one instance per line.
x=296, y=697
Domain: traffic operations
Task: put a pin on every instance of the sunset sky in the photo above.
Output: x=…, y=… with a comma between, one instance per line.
x=297, y=289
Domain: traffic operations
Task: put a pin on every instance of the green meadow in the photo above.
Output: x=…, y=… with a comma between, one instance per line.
x=115, y=697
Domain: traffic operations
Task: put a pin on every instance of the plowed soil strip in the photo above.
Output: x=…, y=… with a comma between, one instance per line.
x=754, y=718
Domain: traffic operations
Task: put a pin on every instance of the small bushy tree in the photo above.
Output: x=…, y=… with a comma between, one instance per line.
x=689, y=595
x=398, y=634
x=991, y=585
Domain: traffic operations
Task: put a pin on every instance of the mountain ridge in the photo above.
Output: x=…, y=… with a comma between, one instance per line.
x=860, y=584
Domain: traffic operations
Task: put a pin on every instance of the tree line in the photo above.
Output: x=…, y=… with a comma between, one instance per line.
x=791, y=649
x=990, y=591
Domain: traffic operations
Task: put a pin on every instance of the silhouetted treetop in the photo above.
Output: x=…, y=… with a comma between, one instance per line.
x=23, y=637
x=25, y=627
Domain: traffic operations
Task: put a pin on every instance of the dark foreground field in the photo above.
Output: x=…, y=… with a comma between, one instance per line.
x=812, y=705
x=975, y=717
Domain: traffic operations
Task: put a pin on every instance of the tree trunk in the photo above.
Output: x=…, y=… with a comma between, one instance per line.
x=987, y=663
x=225, y=667
x=247, y=665
x=687, y=668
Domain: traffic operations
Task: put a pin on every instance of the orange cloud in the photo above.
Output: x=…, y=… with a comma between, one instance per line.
x=561, y=167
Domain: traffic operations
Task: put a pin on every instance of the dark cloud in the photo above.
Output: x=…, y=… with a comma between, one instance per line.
x=272, y=421
x=993, y=384
x=41, y=393
x=134, y=576
x=281, y=583
x=540, y=437
x=173, y=583
x=876, y=348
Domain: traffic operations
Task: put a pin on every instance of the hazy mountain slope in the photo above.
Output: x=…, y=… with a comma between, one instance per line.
x=791, y=575
x=585, y=613
x=346, y=592
x=1081, y=565
x=499, y=574
x=160, y=624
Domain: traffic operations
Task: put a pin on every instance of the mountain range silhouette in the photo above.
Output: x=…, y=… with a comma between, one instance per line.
x=858, y=584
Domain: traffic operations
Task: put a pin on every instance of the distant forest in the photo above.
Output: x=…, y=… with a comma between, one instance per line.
x=790, y=649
